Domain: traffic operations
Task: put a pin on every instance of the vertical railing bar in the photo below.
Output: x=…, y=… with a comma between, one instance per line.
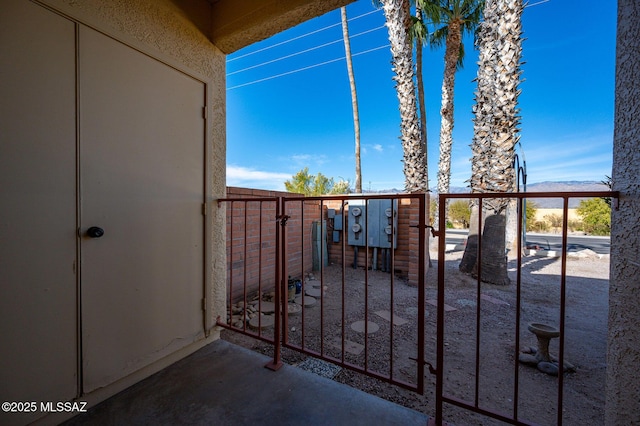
x=284, y=295
x=422, y=241
x=280, y=295
x=303, y=288
x=274, y=237
x=392, y=282
x=321, y=266
x=284, y=312
x=260, y=265
x=277, y=327
x=244, y=273
x=230, y=295
x=516, y=373
x=478, y=306
x=442, y=199
x=366, y=286
x=563, y=300
x=344, y=259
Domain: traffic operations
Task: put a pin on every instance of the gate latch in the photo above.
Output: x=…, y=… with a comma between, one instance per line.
x=432, y=369
x=283, y=219
x=434, y=232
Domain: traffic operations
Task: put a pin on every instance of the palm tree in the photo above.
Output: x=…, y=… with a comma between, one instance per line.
x=458, y=18
x=398, y=18
x=419, y=34
x=496, y=132
x=354, y=96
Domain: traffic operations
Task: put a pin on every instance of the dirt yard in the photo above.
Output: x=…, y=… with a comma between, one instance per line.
x=396, y=340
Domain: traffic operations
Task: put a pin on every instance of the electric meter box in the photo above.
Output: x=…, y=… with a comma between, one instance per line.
x=373, y=223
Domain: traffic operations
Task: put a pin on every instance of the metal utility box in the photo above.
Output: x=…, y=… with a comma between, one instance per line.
x=319, y=251
x=357, y=223
x=373, y=223
x=335, y=222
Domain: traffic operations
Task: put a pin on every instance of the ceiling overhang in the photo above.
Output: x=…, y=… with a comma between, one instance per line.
x=237, y=24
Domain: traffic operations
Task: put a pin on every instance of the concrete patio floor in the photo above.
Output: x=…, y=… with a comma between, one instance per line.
x=224, y=384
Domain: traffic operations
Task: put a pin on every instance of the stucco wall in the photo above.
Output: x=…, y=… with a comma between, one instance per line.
x=175, y=32
x=623, y=356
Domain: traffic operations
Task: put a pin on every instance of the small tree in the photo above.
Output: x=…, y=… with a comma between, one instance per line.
x=532, y=208
x=341, y=187
x=576, y=225
x=433, y=209
x=460, y=212
x=596, y=216
x=555, y=220
x=539, y=226
x=304, y=183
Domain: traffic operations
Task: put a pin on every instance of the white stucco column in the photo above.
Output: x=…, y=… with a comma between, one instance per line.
x=623, y=354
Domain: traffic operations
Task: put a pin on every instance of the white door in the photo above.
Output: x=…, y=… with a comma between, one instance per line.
x=142, y=136
x=38, y=307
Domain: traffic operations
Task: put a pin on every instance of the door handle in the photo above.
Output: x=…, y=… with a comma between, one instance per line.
x=95, y=232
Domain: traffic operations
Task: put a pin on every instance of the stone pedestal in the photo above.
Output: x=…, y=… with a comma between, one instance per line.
x=540, y=357
x=544, y=333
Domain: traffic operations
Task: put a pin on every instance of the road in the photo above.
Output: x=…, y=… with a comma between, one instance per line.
x=600, y=245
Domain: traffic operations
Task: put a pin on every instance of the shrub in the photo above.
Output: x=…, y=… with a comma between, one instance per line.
x=596, y=216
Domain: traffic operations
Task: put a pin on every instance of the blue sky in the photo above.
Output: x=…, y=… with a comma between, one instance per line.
x=289, y=103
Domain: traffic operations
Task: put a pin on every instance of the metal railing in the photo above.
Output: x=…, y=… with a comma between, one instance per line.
x=271, y=244
x=252, y=246
x=348, y=303
x=473, y=402
x=353, y=297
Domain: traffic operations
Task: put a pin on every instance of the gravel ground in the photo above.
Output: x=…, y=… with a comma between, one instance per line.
x=396, y=341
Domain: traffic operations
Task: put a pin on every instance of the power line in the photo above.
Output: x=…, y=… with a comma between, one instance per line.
x=301, y=36
x=303, y=51
x=281, y=43
x=315, y=48
x=537, y=3
x=283, y=57
x=305, y=68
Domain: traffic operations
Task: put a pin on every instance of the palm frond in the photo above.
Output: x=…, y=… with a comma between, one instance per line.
x=438, y=38
x=433, y=11
x=418, y=31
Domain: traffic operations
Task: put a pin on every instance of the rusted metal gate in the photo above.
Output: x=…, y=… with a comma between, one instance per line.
x=478, y=398
x=275, y=249
x=363, y=260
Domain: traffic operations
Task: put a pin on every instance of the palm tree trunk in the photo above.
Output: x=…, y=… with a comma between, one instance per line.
x=496, y=128
x=398, y=18
x=421, y=102
x=452, y=53
x=422, y=109
x=470, y=255
x=354, y=97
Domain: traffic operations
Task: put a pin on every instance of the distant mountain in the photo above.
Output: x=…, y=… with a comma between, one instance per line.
x=550, y=203
x=382, y=191
x=543, y=203
x=570, y=186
